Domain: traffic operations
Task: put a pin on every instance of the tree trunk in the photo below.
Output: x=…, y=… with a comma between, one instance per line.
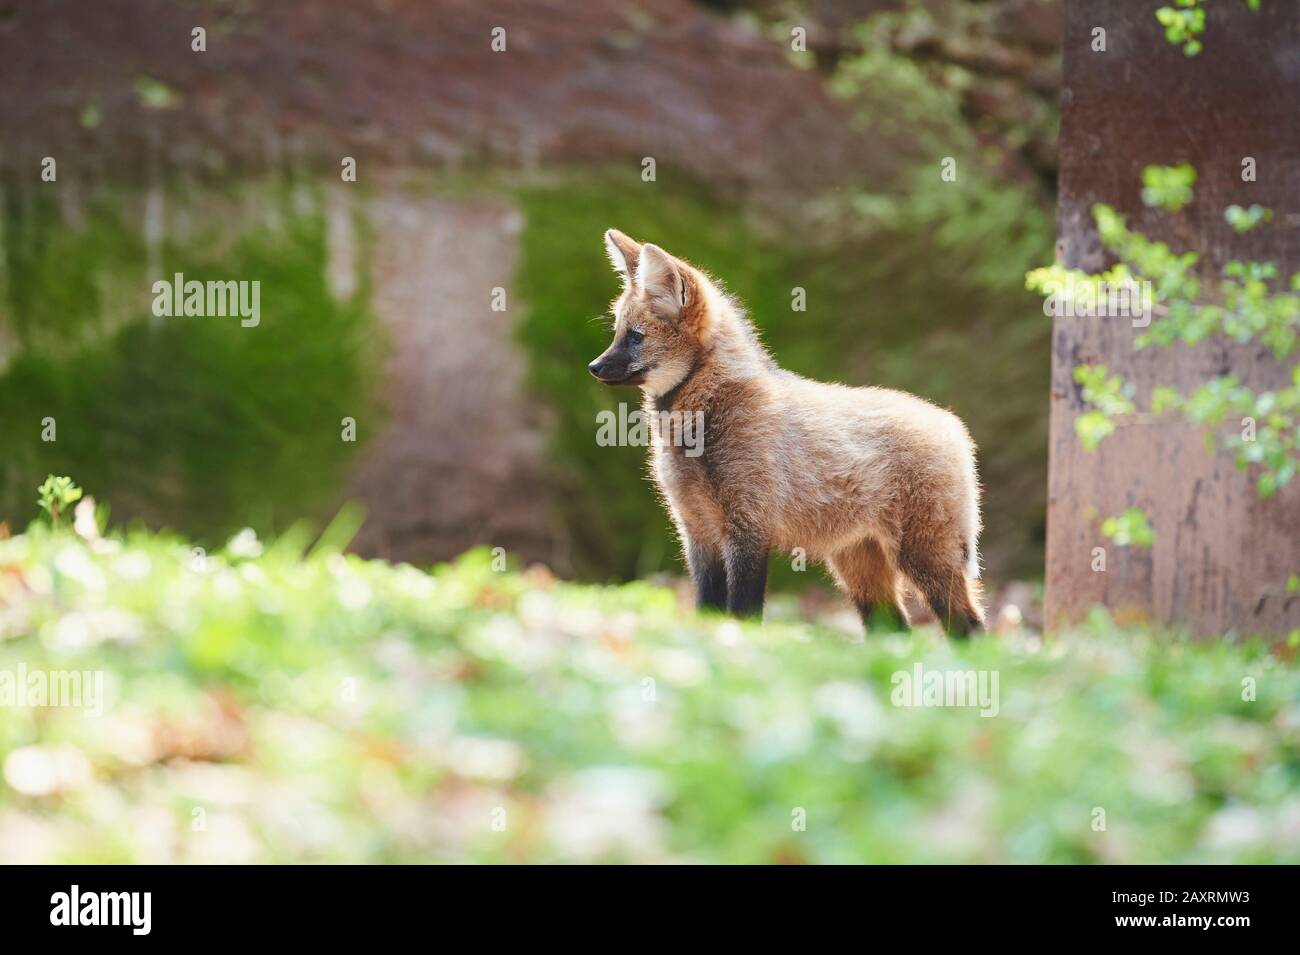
x=1221, y=556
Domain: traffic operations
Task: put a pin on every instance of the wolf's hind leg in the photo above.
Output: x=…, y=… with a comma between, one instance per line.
x=746, y=562
x=941, y=578
x=870, y=579
x=709, y=574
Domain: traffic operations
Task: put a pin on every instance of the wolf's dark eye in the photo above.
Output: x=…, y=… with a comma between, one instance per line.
x=635, y=337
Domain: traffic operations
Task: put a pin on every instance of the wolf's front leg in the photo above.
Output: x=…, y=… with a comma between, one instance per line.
x=709, y=574
x=746, y=561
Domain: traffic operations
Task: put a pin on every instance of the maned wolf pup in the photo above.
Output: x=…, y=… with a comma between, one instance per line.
x=878, y=484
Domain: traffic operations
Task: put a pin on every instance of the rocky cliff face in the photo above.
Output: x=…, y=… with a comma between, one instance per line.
x=116, y=89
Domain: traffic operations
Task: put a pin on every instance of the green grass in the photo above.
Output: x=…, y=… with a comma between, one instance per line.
x=318, y=707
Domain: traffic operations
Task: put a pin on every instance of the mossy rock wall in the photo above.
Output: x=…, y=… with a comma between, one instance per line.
x=197, y=423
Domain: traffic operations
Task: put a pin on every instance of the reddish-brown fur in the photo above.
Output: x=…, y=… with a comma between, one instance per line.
x=878, y=484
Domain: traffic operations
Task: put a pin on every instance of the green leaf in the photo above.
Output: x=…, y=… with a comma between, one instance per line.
x=1168, y=187
x=1129, y=529
x=1243, y=220
x=1164, y=398
x=154, y=94
x=1092, y=427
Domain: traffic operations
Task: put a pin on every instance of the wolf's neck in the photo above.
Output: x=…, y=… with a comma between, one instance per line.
x=670, y=398
x=736, y=354
x=732, y=358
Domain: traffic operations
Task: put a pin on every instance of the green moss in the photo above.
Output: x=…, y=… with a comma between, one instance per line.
x=192, y=422
x=59, y=281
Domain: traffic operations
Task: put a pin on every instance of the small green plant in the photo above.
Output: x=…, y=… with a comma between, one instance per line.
x=57, y=494
x=1184, y=22
x=155, y=94
x=1243, y=220
x=1129, y=529
x=1168, y=187
x=1109, y=395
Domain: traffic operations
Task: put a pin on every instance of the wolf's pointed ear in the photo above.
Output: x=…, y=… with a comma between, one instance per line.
x=658, y=274
x=624, y=253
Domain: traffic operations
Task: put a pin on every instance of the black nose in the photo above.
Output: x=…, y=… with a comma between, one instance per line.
x=595, y=367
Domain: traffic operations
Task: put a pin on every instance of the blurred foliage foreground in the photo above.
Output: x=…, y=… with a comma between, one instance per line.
x=274, y=703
